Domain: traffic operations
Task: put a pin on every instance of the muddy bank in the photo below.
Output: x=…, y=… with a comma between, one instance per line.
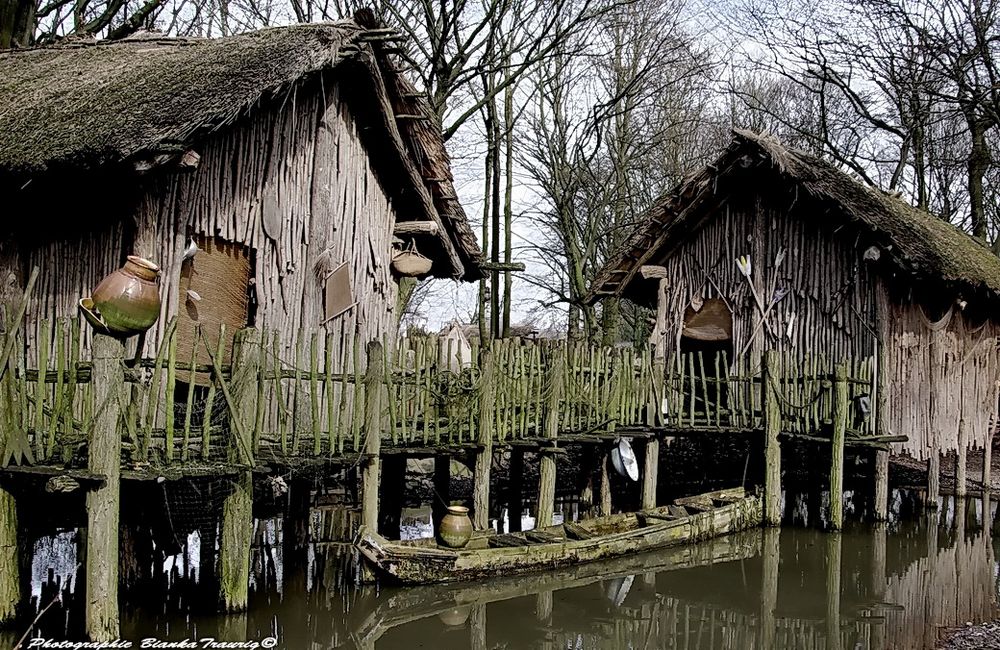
x=909, y=472
x=985, y=635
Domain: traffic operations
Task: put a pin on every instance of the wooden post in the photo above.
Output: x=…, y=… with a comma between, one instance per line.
x=770, y=552
x=237, y=508
x=391, y=488
x=772, y=448
x=881, y=485
x=442, y=489
x=933, y=480
x=515, y=495
x=833, y=553
x=484, y=457
x=658, y=342
x=103, y=505
x=604, y=505
x=650, y=471
x=374, y=387
x=960, y=460
x=841, y=409
x=547, y=461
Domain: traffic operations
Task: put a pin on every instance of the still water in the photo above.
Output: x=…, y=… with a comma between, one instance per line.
x=895, y=585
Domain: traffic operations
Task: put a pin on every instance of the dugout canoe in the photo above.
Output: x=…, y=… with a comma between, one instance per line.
x=687, y=520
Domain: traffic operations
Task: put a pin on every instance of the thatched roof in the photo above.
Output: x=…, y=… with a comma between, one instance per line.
x=90, y=104
x=915, y=242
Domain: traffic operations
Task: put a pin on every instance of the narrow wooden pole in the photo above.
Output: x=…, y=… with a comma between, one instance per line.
x=841, y=408
x=237, y=508
x=881, y=485
x=833, y=553
x=604, y=505
x=770, y=552
x=10, y=576
x=103, y=504
x=961, y=459
x=772, y=448
x=442, y=488
x=649, y=473
x=484, y=457
x=585, y=488
x=515, y=490
x=987, y=476
x=391, y=488
x=933, y=480
x=547, y=461
x=374, y=387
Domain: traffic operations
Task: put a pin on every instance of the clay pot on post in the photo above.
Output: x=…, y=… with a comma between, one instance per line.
x=126, y=302
x=455, y=529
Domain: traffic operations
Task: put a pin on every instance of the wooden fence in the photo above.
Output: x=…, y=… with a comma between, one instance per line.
x=307, y=403
x=708, y=392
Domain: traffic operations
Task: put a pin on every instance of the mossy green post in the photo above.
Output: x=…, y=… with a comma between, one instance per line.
x=547, y=461
x=237, y=508
x=10, y=582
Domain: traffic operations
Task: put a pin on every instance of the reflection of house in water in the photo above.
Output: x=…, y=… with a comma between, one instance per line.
x=895, y=589
x=897, y=585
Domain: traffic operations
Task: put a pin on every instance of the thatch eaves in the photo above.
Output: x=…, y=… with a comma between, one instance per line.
x=916, y=243
x=143, y=101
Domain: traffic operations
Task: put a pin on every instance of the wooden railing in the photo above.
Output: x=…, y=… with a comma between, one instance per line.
x=706, y=391
x=311, y=402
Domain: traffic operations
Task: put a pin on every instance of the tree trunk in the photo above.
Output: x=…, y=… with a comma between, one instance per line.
x=17, y=21
x=979, y=161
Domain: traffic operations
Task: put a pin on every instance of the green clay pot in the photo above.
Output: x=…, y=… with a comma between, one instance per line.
x=127, y=302
x=455, y=529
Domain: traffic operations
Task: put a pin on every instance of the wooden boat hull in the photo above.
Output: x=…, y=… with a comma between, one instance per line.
x=616, y=536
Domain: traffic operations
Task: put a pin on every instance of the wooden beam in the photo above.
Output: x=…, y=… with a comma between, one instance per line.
x=416, y=228
x=652, y=272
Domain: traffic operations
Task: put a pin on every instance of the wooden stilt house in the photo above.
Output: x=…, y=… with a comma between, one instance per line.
x=773, y=248
x=298, y=160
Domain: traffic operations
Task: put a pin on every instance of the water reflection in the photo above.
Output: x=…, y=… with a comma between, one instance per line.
x=894, y=585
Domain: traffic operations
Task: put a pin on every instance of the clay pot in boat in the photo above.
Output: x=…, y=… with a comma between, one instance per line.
x=126, y=302
x=455, y=529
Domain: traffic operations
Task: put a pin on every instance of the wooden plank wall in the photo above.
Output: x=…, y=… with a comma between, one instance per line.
x=305, y=162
